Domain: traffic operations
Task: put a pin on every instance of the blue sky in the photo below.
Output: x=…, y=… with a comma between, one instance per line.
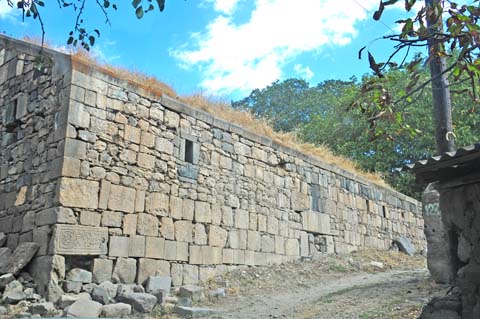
x=227, y=47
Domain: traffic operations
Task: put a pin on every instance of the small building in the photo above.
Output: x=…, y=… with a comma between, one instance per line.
x=457, y=175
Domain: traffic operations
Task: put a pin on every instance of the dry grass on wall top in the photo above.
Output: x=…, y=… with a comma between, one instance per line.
x=84, y=60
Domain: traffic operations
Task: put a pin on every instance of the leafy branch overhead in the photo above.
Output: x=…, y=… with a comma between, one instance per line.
x=80, y=35
x=448, y=30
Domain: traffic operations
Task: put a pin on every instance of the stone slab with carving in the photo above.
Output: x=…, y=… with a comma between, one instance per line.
x=80, y=240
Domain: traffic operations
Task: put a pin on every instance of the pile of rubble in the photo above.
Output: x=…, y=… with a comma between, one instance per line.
x=84, y=298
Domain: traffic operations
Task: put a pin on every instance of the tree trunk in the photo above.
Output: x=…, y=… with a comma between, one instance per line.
x=442, y=109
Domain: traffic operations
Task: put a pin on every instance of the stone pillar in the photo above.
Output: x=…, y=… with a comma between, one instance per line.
x=438, y=248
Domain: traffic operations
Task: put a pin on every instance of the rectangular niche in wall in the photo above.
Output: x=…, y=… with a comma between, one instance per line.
x=189, y=158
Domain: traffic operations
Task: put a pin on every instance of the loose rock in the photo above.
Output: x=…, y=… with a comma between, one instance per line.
x=3, y=239
x=193, y=292
x=5, y=280
x=42, y=308
x=84, y=308
x=405, y=245
x=116, y=310
x=20, y=258
x=156, y=283
x=141, y=302
x=79, y=275
x=13, y=293
x=192, y=312
x=100, y=295
x=66, y=300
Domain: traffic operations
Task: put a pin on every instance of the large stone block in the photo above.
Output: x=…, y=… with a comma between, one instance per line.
x=80, y=240
x=241, y=219
x=292, y=247
x=118, y=246
x=176, y=204
x=102, y=270
x=121, y=199
x=77, y=193
x=56, y=215
x=203, y=212
x=217, y=236
x=147, y=225
x=188, y=208
x=167, y=228
x=183, y=231
x=157, y=203
x=151, y=267
x=155, y=248
x=136, y=246
x=75, y=149
x=300, y=201
x=125, y=271
x=78, y=115
x=237, y=239
x=315, y=222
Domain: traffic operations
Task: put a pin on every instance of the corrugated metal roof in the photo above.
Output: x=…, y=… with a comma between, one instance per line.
x=447, y=159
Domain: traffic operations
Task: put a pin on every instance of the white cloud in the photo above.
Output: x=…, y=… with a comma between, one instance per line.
x=5, y=10
x=239, y=57
x=224, y=6
x=304, y=71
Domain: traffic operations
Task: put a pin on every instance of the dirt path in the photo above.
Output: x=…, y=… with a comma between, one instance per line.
x=336, y=297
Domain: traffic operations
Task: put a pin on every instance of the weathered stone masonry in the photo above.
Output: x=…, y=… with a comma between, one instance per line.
x=106, y=175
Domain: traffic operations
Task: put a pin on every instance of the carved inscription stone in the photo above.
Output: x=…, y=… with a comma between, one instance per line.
x=80, y=240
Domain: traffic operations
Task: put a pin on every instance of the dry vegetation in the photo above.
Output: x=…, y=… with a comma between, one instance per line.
x=84, y=61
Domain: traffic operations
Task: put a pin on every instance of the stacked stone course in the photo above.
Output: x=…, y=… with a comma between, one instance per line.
x=102, y=172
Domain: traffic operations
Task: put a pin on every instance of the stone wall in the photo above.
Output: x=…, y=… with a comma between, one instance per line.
x=33, y=100
x=137, y=184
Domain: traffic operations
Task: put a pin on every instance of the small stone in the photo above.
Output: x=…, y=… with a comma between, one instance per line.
x=193, y=292
x=184, y=302
x=79, y=275
x=5, y=280
x=3, y=239
x=13, y=293
x=129, y=288
x=42, y=308
x=218, y=293
x=141, y=302
x=116, y=310
x=100, y=294
x=156, y=283
x=72, y=286
x=110, y=288
x=88, y=288
x=66, y=300
x=376, y=264
x=192, y=312
x=5, y=254
x=84, y=308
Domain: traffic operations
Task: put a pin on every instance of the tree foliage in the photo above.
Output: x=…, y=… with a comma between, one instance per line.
x=323, y=115
x=455, y=37
x=79, y=34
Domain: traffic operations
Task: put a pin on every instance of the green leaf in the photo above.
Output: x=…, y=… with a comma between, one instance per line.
x=70, y=40
x=139, y=12
x=91, y=39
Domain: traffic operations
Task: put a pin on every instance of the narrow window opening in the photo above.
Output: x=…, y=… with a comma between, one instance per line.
x=384, y=211
x=11, y=123
x=403, y=215
x=188, y=151
x=368, y=205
